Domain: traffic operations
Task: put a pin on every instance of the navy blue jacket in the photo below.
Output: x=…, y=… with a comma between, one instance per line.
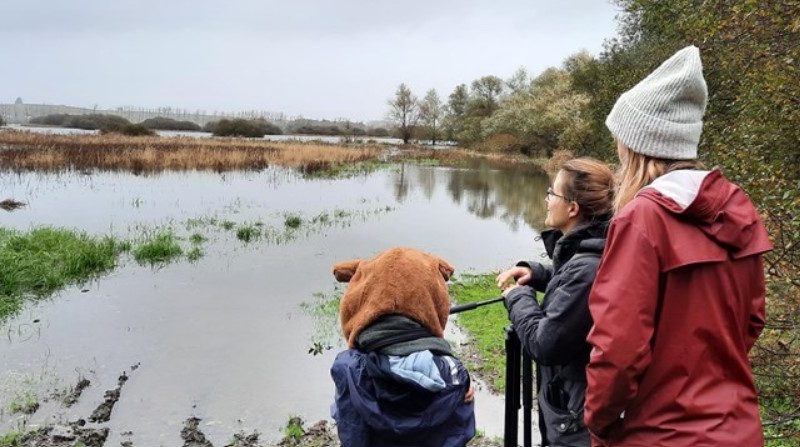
x=376, y=408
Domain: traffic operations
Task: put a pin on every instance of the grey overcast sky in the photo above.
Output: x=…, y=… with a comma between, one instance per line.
x=316, y=58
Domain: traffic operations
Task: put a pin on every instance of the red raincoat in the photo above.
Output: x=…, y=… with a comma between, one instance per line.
x=677, y=304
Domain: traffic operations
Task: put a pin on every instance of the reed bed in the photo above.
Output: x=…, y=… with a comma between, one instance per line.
x=27, y=151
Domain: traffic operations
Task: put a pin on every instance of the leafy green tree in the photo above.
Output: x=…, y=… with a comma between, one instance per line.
x=456, y=110
x=404, y=111
x=518, y=82
x=484, y=96
x=545, y=116
x=431, y=112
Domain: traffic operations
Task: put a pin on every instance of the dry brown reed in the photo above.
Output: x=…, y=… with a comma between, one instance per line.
x=27, y=151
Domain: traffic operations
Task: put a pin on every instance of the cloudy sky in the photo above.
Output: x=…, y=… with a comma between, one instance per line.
x=316, y=58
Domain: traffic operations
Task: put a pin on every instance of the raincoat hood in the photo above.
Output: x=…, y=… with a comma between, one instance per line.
x=719, y=208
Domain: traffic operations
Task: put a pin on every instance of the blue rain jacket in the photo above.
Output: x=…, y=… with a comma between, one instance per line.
x=391, y=401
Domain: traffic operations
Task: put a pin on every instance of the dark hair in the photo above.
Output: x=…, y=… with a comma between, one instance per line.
x=590, y=183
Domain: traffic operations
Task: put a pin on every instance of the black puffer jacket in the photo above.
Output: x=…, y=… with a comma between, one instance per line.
x=554, y=332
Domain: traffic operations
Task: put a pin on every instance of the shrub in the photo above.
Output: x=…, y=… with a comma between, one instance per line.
x=133, y=130
x=94, y=121
x=163, y=123
x=318, y=130
x=56, y=119
x=242, y=128
x=502, y=142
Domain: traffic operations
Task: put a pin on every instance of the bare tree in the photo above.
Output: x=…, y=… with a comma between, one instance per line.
x=431, y=111
x=404, y=111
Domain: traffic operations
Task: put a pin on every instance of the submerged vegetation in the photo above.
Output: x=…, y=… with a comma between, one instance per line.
x=324, y=309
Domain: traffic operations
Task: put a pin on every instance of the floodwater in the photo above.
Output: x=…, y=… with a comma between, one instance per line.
x=227, y=338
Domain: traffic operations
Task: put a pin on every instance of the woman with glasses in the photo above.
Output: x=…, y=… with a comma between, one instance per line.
x=553, y=332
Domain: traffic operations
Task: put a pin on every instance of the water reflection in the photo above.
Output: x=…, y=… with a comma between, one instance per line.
x=511, y=194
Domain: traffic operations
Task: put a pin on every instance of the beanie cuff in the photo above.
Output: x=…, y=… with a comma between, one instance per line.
x=652, y=136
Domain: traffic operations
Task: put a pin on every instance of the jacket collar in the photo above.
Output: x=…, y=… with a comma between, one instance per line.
x=588, y=237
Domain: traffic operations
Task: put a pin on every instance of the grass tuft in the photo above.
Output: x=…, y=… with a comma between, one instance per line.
x=247, y=233
x=158, y=248
x=293, y=221
x=194, y=254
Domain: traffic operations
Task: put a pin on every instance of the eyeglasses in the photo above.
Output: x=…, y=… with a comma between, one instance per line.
x=550, y=193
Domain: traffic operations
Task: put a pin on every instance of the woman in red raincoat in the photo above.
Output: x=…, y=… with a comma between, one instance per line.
x=678, y=301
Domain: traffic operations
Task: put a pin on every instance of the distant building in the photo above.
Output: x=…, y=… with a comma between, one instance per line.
x=18, y=101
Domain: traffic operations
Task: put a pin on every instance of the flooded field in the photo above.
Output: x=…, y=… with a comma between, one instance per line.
x=231, y=336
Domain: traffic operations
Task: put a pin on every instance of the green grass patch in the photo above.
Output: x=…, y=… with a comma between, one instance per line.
x=158, y=248
x=24, y=403
x=294, y=429
x=197, y=238
x=485, y=326
x=247, y=233
x=37, y=263
x=346, y=170
x=194, y=254
x=293, y=221
x=11, y=439
x=324, y=309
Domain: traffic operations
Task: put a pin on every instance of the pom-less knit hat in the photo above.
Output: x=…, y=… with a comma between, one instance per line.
x=662, y=116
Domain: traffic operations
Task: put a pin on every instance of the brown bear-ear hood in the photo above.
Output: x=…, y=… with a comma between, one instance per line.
x=402, y=281
x=343, y=271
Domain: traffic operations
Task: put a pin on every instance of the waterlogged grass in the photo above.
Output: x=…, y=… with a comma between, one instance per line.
x=324, y=309
x=247, y=233
x=24, y=403
x=197, y=238
x=37, y=263
x=485, y=325
x=330, y=171
x=293, y=221
x=157, y=248
x=12, y=439
x=194, y=254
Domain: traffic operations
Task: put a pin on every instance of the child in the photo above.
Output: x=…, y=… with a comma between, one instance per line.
x=399, y=384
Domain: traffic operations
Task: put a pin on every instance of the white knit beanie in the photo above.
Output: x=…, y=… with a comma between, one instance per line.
x=662, y=116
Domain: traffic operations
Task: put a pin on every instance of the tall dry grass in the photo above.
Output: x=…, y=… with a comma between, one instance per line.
x=27, y=151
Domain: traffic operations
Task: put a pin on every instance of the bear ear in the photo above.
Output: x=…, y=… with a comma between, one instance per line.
x=343, y=271
x=445, y=269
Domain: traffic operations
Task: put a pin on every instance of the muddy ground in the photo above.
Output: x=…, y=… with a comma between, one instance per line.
x=90, y=432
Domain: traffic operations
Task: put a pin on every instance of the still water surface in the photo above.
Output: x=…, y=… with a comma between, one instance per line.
x=226, y=338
